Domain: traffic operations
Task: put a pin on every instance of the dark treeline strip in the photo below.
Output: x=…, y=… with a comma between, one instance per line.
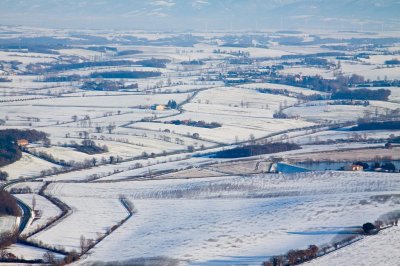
x=102, y=49
x=192, y=123
x=339, y=87
x=125, y=74
x=104, y=75
x=61, y=78
x=61, y=67
x=326, y=54
x=253, y=150
x=106, y=85
x=392, y=62
x=389, y=125
x=129, y=52
x=362, y=94
x=153, y=62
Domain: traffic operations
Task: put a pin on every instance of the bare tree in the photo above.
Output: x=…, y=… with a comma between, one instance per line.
x=82, y=244
x=252, y=138
x=49, y=257
x=33, y=202
x=110, y=128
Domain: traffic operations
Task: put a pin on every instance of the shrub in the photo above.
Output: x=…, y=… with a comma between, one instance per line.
x=368, y=228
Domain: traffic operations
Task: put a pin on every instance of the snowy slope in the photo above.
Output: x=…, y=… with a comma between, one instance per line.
x=381, y=249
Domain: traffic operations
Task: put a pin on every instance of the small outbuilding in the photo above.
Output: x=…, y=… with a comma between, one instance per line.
x=22, y=142
x=158, y=107
x=353, y=167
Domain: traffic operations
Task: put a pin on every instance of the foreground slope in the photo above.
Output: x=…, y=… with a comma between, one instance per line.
x=380, y=249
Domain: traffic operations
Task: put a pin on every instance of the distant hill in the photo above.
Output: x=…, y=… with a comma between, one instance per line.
x=204, y=14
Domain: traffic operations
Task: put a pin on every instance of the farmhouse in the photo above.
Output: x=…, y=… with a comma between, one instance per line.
x=22, y=142
x=158, y=107
x=353, y=167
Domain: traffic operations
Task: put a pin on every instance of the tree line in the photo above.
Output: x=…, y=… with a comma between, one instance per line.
x=388, y=125
x=362, y=94
x=252, y=150
x=339, y=87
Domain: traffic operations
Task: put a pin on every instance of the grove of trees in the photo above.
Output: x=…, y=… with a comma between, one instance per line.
x=9, y=150
x=8, y=205
x=252, y=150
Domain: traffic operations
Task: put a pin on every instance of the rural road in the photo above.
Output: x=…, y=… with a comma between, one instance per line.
x=25, y=216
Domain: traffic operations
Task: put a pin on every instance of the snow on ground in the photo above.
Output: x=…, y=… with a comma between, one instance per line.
x=341, y=134
x=187, y=87
x=371, y=72
x=7, y=223
x=380, y=59
x=239, y=128
x=79, y=52
x=66, y=154
x=192, y=173
x=318, y=111
x=375, y=154
x=149, y=170
x=241, y=97
x=89, y=70
x=381, y=249
x=46, y=208
x=89, y=217
x=116, y=101
x=26, y=114
x=134, y=148
x=308, y=71
x=27, y=166
x=28, y=253
x=241, y=112
x=34, y=186
x=294, y=89
x=258, y=52
x=212, y=221
x=27, y=58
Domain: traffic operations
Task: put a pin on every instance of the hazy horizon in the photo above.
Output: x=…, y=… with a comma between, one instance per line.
x=203, y=15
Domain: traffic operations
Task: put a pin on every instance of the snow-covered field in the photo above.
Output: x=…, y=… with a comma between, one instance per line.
x=7, y=223
x=294, y=89
x=201, y=211
x=318, y=111
x=90, y=217
x=28, y=253
x=211, y=220
x=27, y=166
x=241, y=112
x=46, y=208
x=330, y=135
x=381, y=249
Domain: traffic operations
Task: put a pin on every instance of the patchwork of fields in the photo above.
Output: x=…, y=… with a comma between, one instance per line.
x=129, y=170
